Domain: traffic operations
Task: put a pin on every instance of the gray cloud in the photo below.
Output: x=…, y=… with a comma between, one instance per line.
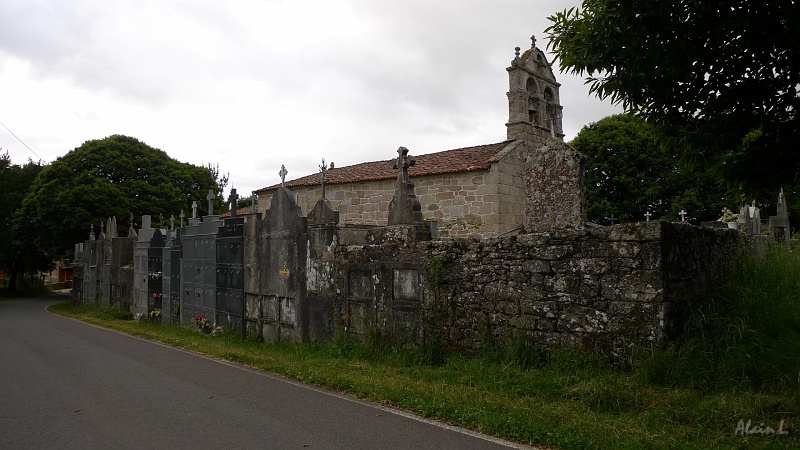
x=257, y=84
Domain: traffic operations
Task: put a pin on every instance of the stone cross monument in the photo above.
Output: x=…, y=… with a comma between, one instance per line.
x=210, y=197
x=404, y=208
x=780, y=221
x=232, y=200
x=283, y=174
x=323, y=169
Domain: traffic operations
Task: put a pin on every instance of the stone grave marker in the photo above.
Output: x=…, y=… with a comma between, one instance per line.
x=405, y=208
x=780, y=221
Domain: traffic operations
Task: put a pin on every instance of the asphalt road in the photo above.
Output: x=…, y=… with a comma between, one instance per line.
x=65, y=384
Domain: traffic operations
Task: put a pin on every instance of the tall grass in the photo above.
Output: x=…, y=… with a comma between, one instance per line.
x=745, y=335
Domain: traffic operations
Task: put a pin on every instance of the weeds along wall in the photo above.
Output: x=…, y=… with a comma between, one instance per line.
x=307, y=278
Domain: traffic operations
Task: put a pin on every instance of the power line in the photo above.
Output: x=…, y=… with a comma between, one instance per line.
x=20, y=140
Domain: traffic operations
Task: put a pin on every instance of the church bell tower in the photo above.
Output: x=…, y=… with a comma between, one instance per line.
x=534, y=107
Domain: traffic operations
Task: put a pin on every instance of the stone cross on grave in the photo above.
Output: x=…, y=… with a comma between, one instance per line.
x=210, y=198
x=172, y=221
x=132, y=230
x=182, y=215
x=401, y=164
x=233, y=199
x=612, y=219
x=683, y=215
x=647, y=216
x=322, y=170
x=404, y=209
x=194, y=209
x=283, y=174
x=160, y=220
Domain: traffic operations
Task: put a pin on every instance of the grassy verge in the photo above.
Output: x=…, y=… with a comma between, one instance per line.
x=738, y=361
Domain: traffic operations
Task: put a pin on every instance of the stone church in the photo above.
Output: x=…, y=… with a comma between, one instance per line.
x=526, y=183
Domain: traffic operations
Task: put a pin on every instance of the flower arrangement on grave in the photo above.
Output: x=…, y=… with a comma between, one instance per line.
x=203, y=324
x=155, y=315
x=728, y=216
x=218, y=331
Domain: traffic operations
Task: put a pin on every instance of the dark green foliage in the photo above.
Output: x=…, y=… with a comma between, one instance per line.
x=15, y=256
x=746, y=335
x=629, y=173
x=116, y=176
x=719, y=78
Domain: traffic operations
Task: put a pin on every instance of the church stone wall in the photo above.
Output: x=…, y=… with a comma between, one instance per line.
x=555, y=197
x=481, y=203
x=509, y=179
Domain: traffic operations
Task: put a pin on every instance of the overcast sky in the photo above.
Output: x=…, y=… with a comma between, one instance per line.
x=255, y=84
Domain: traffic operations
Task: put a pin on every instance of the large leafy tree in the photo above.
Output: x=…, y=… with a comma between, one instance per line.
x=628, y=173
x=719, y=78
x=15, y=256
x=116, y=176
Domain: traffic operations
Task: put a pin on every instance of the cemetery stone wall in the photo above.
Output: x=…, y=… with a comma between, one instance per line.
x=141, y=255
x=323, y=224
x=293, y=279
x=230, y=275
x=611, y=288
x=155, y=272
x=172, y=274
x=281, y=301
x=121, y=272
x=198, y=270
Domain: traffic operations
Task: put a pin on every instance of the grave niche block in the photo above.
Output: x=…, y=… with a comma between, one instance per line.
x=288, y=311
x=406, y=285
x=287, y=335
x=253, y=306
x=270, y=332
x=359, y=317
x=270, y=309
x=360, y=284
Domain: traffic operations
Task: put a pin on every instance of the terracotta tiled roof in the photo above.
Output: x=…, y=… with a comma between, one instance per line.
x=450, y=161
x=247, y=210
